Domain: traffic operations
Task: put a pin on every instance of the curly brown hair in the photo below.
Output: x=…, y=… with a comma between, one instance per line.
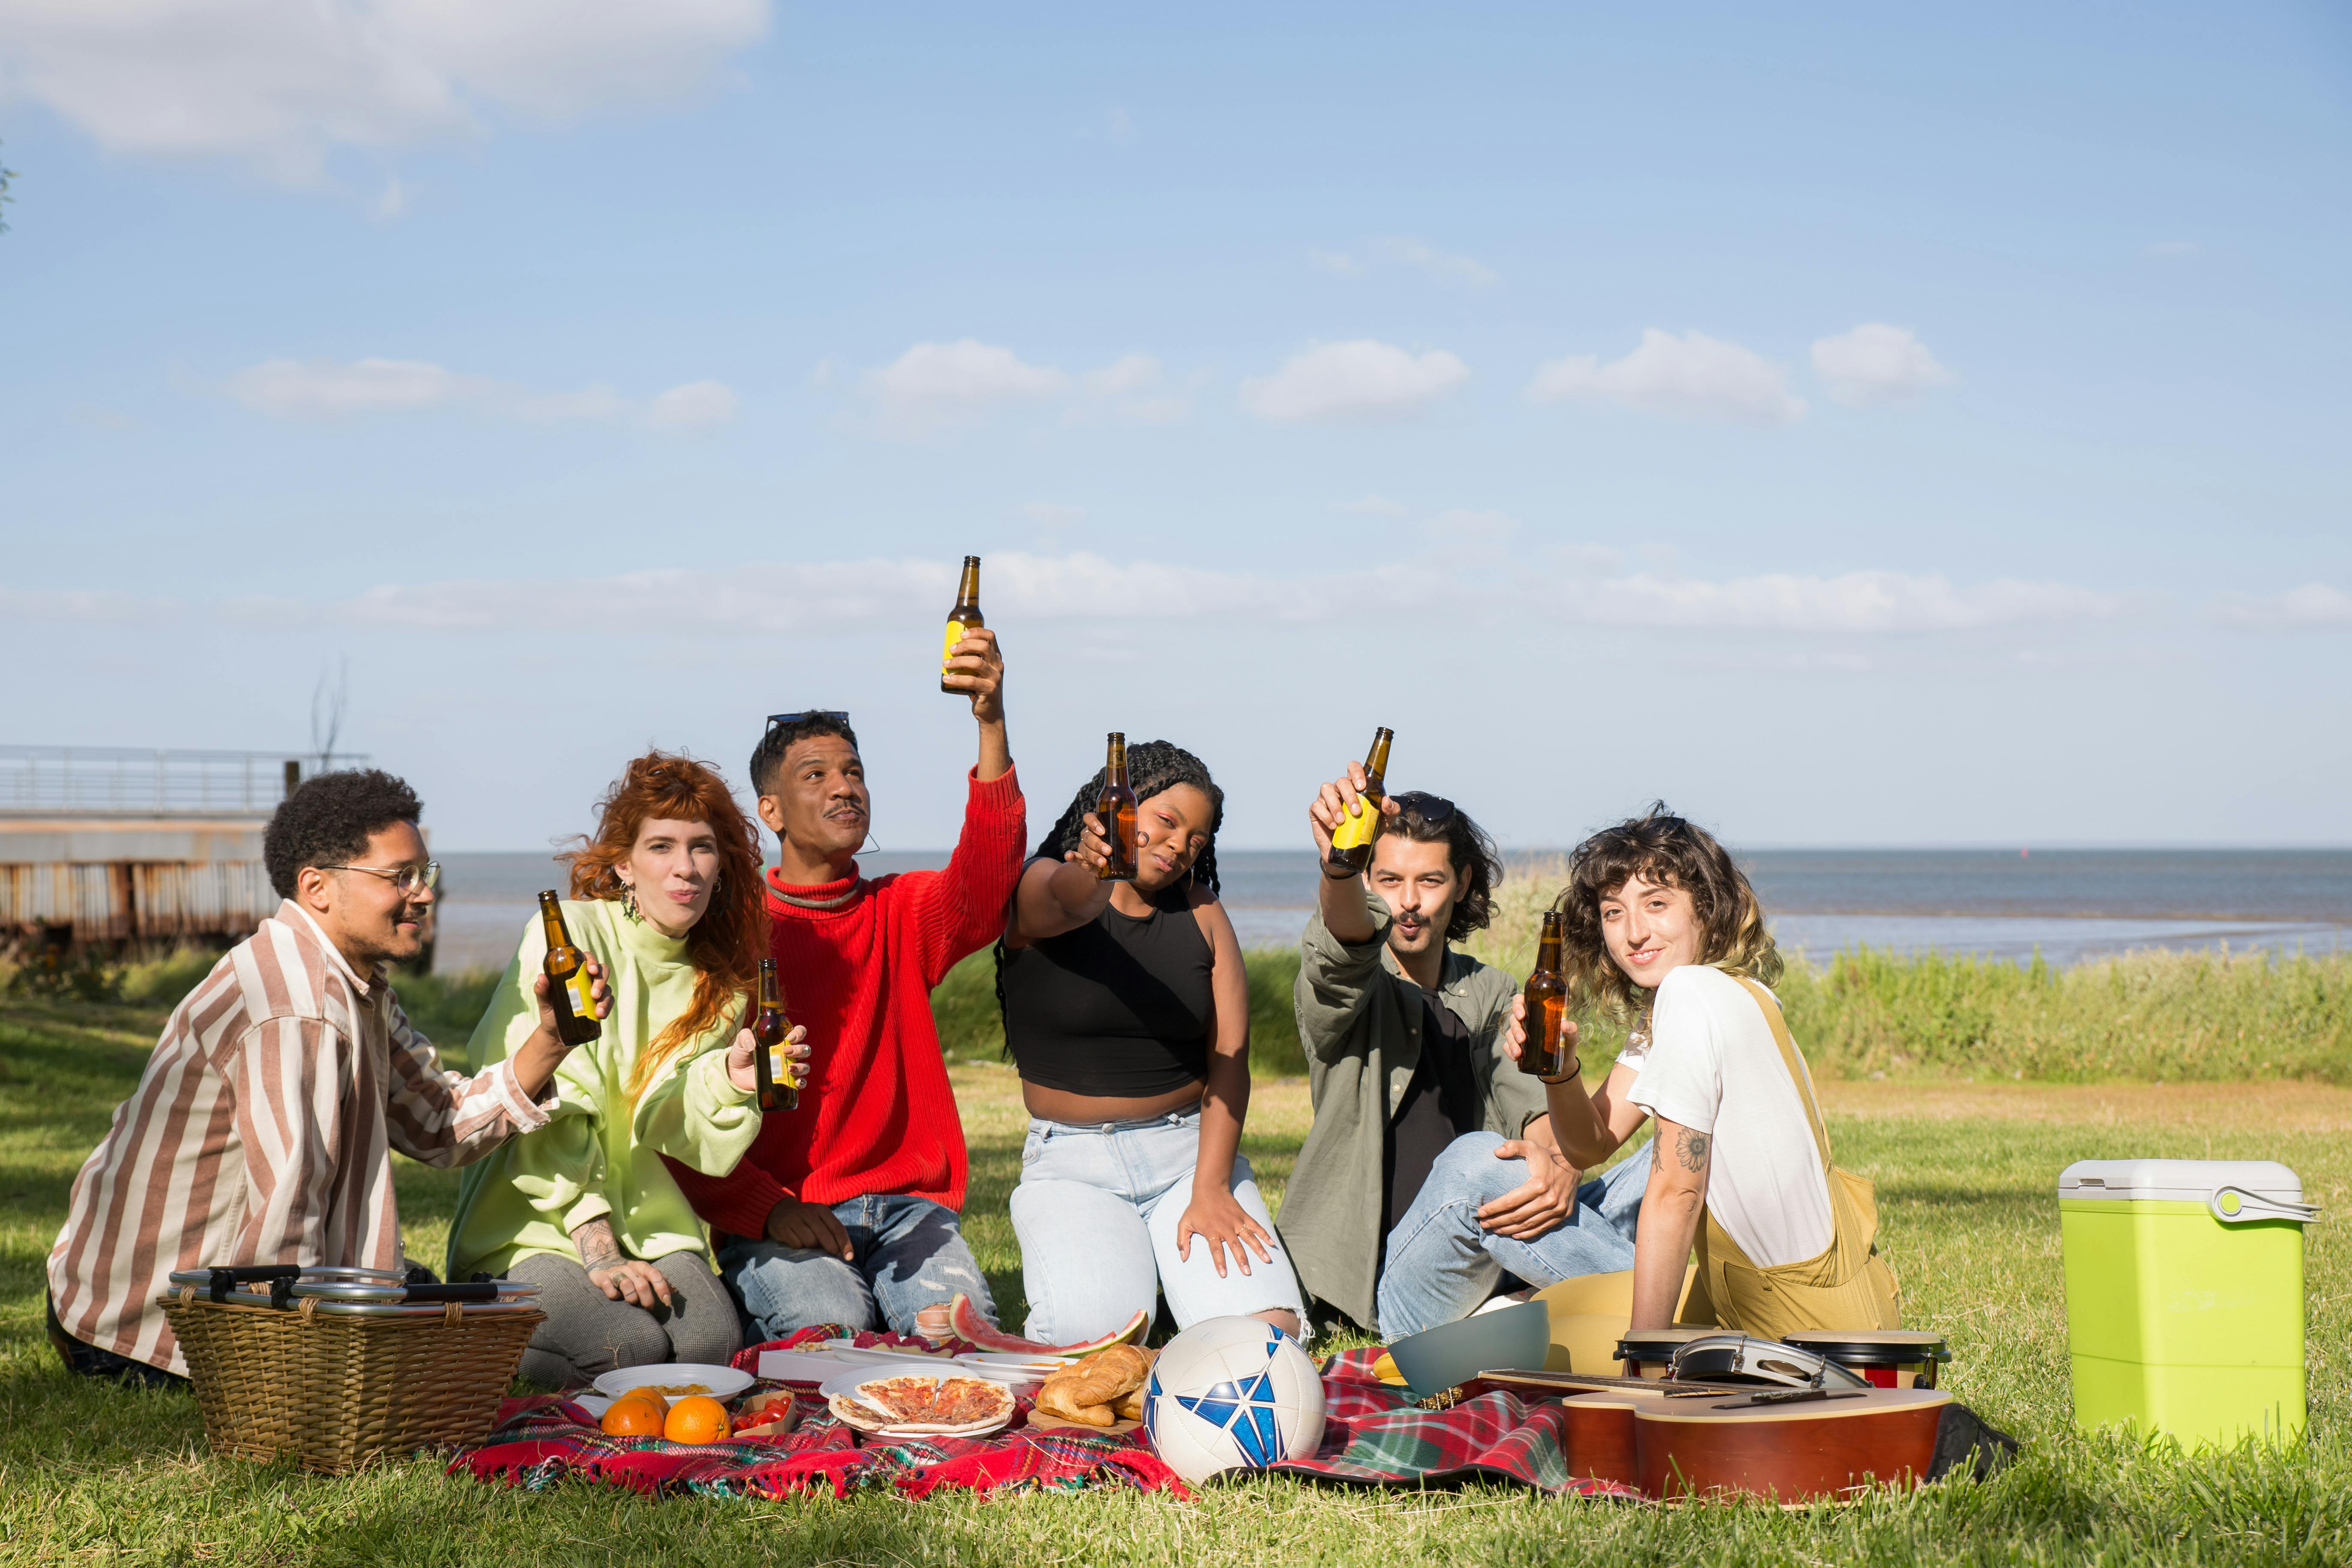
x=727, y=943
x=1675, y=852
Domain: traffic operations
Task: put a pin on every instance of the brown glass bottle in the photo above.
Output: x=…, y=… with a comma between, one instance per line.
x=1351, y=841
x=1547, y=996
x=963, y=619
x=568, y=980
x=1115, y=808
x=770, y=1066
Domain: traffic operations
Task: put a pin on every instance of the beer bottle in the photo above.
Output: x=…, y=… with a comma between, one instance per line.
x=1547, y=997
x=1351, y=841
x=963, y=619
x=567, y=978
x=1116, y=808
x=771, y=1067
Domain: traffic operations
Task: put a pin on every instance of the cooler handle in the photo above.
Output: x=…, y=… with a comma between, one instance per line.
x=2249, y=1207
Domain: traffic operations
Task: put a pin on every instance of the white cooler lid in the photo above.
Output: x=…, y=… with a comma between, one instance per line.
x=2177, y=1180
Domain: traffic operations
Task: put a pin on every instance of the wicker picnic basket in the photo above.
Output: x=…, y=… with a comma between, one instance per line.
x=337, y=1367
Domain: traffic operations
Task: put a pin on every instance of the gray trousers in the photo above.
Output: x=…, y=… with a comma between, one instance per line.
x=587, y=1334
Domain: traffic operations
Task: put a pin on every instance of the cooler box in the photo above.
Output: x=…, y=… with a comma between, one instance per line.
x=2184, y=1296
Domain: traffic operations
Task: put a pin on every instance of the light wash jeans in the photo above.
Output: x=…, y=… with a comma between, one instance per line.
x=909, y=1256
x=1096, y=1211
x=1442, y=1264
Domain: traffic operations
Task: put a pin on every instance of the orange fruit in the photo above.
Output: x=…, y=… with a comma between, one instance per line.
x=633, y=1415
x=696, y=1418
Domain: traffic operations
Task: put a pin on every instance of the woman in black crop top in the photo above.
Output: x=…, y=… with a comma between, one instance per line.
x=1127, y=1009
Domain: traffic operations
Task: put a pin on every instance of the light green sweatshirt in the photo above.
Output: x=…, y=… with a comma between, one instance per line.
x=599, y=1155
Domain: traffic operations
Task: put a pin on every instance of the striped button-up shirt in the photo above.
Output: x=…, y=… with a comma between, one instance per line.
x=262, y=1131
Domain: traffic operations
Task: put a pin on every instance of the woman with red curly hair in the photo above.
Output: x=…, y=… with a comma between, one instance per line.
x=667, y=896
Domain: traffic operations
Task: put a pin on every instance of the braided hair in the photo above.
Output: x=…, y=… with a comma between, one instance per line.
x=1153, y=767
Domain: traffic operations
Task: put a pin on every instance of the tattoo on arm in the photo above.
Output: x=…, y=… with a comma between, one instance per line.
x=598, y=1249
x=1690, y=1147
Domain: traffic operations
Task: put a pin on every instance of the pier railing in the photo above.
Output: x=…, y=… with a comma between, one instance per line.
x=128, y=779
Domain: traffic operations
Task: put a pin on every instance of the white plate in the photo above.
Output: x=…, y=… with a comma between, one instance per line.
x=724, y=1382
x=1026, y=1366
x=595, y=1404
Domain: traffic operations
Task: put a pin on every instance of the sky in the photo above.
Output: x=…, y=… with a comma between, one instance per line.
x=1854, y=426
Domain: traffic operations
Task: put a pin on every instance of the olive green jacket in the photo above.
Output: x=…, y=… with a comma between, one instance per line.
x=1359, y=1023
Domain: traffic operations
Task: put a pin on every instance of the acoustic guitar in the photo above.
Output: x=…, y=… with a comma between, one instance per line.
x=1692, y=1439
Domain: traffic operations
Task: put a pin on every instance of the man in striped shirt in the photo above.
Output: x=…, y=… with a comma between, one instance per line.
x=263, y=1128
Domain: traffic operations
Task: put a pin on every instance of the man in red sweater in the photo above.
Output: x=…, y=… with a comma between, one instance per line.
x=846, y=1209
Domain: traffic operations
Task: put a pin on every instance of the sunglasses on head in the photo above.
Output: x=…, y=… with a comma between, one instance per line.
x=1433, y=809
x=786, y=721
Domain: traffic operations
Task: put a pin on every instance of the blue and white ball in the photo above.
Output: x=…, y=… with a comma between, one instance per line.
x=1233, y=1394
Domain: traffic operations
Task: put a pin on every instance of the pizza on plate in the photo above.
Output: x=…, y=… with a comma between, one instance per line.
x=920, y=1403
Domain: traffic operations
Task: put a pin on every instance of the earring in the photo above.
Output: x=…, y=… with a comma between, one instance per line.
x=629, y=901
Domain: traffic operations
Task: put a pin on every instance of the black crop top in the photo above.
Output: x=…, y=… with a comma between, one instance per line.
x=1118, y=1008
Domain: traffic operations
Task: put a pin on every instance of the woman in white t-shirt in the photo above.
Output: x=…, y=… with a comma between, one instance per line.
x=1664, y=932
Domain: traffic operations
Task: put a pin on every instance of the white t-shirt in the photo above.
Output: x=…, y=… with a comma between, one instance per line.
x=1711, y=1065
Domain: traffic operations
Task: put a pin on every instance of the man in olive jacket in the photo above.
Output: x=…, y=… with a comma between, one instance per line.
x=1431, y=1171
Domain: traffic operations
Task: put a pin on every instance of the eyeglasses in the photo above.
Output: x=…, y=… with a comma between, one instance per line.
x=1433, y=809
x=777, y=720
x=410, y=880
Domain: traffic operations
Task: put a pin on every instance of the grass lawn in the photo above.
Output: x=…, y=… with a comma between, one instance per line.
x=1964, y=1176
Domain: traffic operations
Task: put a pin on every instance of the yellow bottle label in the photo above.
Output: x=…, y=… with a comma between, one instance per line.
x=948, y=647
x=1355, y=832
x=575, y=986
x=780, y=1066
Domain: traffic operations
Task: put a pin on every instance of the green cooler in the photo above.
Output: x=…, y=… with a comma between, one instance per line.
x=2184, y=1296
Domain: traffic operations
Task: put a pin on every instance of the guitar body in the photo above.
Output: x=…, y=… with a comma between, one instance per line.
x=1687, y=1446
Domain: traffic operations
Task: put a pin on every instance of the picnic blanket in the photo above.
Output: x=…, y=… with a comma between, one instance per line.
x=1374, y=1435
x=537, y=1442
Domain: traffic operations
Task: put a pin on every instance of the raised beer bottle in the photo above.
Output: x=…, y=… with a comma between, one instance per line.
x=963, y=619
x=1547, y=996
x=1116, y=809
x=568, y=980
x=1351, y=841
x=770, y=1066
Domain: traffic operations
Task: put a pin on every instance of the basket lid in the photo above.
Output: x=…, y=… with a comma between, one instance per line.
x=2177, y=1180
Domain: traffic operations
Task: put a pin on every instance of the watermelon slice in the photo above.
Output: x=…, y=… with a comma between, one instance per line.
x=973, y=1329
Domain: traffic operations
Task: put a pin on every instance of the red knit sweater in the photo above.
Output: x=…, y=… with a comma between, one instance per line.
x=877, y=1114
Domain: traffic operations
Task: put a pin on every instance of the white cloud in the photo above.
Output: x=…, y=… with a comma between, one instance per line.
x=1445, y=266
x=2314, y=604
x=331, y=389
x=1692, y=376
x=697, y=405
x=1874, y=364
x=935, y=385
x=1133, y=388
x=1358, y=380
x=1874, y=602
x=281, y=84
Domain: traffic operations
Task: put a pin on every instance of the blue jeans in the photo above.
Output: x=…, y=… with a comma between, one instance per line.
x=909, y=1256
x=1442, y=1264
x=1096, y=1211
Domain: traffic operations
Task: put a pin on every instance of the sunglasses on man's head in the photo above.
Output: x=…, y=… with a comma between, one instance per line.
x=1433, y=809
x=785, y=720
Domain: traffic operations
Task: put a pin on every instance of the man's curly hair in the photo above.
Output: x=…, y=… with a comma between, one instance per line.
x=327, y=820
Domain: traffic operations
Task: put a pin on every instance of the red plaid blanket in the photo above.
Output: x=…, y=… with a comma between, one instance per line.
x=538, y=1441
x=1372, y=1435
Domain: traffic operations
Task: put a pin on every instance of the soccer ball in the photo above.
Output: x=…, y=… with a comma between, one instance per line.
x=1233, y=1394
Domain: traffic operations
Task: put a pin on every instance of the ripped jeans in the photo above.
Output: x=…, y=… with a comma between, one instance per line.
x=909, y=1256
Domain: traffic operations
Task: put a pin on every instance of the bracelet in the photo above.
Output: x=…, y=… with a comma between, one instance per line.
x=1574, y=1072
x=1342, y=877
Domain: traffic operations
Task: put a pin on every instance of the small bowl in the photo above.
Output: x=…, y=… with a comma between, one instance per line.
x=1515, y=1338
